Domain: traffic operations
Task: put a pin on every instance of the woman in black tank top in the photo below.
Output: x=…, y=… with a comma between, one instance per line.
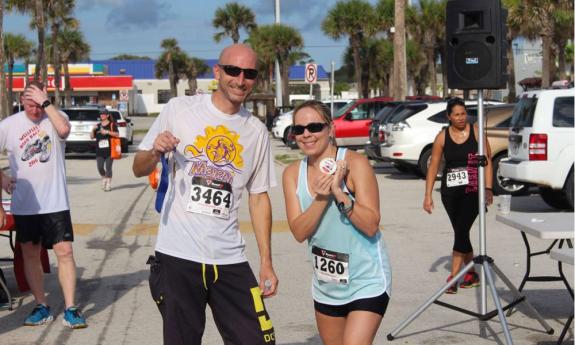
x=459, y=185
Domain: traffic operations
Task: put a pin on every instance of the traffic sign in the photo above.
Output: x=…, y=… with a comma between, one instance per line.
x=311, y=73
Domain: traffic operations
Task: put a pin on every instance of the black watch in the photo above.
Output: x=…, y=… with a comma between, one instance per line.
x=343, y=209
x=46, y=104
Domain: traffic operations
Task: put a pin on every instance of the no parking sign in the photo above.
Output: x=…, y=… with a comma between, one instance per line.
x=311, y=73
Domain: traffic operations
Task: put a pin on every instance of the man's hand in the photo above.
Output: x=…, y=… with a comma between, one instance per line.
x=8, y=183
x=165, y=142
x=268, y=281
x=34, y=94
x=2, y=217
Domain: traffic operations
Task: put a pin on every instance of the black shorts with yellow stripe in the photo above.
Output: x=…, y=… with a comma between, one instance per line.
x=182, y=289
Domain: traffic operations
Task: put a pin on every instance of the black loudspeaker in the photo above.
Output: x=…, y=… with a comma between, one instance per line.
x=476, y=44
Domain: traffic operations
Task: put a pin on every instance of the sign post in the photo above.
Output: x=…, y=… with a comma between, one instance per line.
x=310, y=76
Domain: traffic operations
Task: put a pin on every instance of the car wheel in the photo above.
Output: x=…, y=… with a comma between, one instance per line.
x=554, y=198
x=504, y=185
x=286, y=135
x=568, y=190
x=131, y=142
x=425, y=161
x=401, y=167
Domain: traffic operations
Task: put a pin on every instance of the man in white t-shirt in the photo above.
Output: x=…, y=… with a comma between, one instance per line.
x=35, y=142
x=215, y=150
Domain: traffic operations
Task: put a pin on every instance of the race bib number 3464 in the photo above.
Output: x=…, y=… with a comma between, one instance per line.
x=210, y=197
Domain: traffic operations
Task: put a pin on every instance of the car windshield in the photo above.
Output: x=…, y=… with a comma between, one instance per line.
x=83, y=114
x=116, y=115
x=343, y=109
x=523, y=112
x=385, y=112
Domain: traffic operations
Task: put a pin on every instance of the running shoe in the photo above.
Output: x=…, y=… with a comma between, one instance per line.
x=453, y=288
x=74, y=319
x=470, y=280
x=40, y=315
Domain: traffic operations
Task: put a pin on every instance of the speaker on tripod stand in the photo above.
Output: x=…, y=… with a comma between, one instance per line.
x=476, y=48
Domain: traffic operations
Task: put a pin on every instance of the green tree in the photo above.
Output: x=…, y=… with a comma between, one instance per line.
x=230, y=19
x=193, y=68
x=15, y=47
x=59, y=15
x=130, y=57
x=431, y=19
x=73, y=48
x=171, y=52
x=282, y=40
x=357, y=20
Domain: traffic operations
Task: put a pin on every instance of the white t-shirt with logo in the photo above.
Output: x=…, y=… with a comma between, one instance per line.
x=219, y=155
x=37, y=161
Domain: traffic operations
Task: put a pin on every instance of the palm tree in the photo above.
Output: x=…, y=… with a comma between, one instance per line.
x=194, y=67
x=282, y=40
x=266, y=58
x=399, y=58
x=356, y=19
x=432, y=21
x=562, y=34
x=35, y=8
x=416, y=61
x=230, y=19
x=73, y=48
x=171, y=49
x=3, y=110
x=59, y=14
x=15, y=47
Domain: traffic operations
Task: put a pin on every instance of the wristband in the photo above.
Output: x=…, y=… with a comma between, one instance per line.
x=343, y=209
x=46, y=104
x=489, y=189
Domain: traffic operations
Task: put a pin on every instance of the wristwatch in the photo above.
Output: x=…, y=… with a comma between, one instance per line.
x=343, y=209
x=46, y=104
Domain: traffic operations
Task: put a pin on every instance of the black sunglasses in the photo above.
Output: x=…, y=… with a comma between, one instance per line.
x=314, y=127
x=234, y=71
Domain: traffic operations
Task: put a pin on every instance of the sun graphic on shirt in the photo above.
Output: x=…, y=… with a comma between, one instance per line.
x=220, y=145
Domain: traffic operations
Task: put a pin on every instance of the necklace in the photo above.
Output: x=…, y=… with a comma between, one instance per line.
x=462, y=133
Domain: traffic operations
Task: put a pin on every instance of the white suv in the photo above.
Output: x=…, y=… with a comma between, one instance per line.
x=541, y=149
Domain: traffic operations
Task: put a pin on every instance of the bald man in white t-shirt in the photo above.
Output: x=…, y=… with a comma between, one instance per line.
x=215, y=150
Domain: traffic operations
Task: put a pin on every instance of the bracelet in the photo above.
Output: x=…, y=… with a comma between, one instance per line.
x=343, y=209
x=489, y=189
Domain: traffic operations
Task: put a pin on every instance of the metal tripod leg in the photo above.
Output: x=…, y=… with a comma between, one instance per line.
x=517, y=295
x=5, y=288
x=427, y=303
x=495, y=296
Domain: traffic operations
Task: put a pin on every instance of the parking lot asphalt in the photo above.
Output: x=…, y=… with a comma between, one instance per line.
x=116, y=231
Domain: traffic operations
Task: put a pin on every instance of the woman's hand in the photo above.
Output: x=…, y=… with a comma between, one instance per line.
x=339, y=176
x=428, y=204
x=321, y=186
x=488, y=197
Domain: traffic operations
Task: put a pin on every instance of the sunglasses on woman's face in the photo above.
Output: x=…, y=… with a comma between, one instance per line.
x=234, y=71
x=314, y=127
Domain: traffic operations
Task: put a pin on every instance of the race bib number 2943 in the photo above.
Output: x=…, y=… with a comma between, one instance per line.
x=210, y=197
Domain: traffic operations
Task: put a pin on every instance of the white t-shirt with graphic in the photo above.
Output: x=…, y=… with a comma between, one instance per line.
x=218, y=156
x=37, y=161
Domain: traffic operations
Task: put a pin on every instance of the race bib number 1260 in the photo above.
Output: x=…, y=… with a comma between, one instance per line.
x=210, y=197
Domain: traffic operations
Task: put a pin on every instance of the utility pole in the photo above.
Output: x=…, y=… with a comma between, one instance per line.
x=279, y=101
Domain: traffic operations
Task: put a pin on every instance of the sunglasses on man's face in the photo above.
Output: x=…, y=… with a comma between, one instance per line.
x=234, y=71
x=314, y=127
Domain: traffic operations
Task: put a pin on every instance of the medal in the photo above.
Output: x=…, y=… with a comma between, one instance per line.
x=328, y=166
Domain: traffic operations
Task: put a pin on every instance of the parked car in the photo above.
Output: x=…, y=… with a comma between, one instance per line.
x=125, y=128
x=353, y=121
x=410, y=134
x=82, y=121
x=282, y=124
x=541, y=149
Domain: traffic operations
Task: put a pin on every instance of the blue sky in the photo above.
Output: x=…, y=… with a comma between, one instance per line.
x=114, y=27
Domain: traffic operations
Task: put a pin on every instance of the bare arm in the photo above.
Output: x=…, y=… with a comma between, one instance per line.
x=365, y=213
x=304, y=224
x=261, y=216
x=436, y=153
x=59, y=122
x=488, y=168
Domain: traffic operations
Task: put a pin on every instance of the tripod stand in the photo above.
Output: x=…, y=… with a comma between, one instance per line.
x=487, y=264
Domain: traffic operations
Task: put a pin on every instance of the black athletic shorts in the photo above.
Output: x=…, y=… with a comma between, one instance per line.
x=47, y=228
x=376, y=305
x=182, y=289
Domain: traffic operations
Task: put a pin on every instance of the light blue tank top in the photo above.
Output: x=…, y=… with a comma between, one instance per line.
x=368, y=272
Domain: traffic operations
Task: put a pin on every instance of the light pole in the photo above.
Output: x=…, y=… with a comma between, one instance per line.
x=279, y=101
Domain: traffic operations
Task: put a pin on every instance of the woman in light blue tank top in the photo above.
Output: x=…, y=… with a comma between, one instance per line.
x=332, y=201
